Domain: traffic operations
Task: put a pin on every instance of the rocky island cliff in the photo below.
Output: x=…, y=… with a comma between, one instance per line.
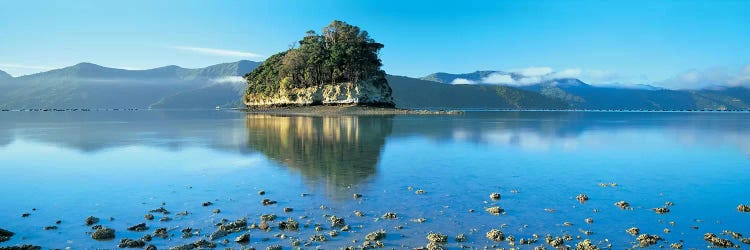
x=339, y=66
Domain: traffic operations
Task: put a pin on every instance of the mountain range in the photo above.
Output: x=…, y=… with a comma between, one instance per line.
x=87, y=85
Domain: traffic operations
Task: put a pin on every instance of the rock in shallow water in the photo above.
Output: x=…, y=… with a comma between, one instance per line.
x=91, y=220
x=131, y=243
x=103, y=233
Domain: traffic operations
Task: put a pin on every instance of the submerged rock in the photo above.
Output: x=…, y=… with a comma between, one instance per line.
x=5, y=235
x=50, y=228
x=646, y=240
x=496, y=210
x=160, y=210
x=267, y=202
x=161, y=232
x=390, y=216
x=268, y=217
x=201, y=244
x=149, y=217
x=461, y=238
x=318, y=238
x=103, y=233
x=375, y=236
x=91, y=220
x=633, y=231
x=743, y=208
x=555, y=242
x=218, y=234
x=586, y=245
x=207, y=203
x=582, y=198
x=495, y=235
x=661, y=210
x=22, y=247
x=138, y=228
x=289, y=224
x=437, y=237
x=131, y=243
x=243, y=238
x=234, y=226
x=589, y=220
x=676, y=245
x=495, y=196
x=336, y=221
x=716, y=241
x=623, y=205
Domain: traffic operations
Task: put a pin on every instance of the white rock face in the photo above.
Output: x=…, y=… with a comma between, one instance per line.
x=364, y=92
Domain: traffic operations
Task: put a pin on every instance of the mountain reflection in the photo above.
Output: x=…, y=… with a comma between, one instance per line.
x=333, y=151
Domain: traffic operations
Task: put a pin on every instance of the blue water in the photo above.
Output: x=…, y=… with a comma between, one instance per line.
x=69, y=165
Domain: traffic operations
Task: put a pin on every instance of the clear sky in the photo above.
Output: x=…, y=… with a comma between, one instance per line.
x=599, y=41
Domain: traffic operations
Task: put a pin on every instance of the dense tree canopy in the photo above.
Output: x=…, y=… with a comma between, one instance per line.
x=342, y=53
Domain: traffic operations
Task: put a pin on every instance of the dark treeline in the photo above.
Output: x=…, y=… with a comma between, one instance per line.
x=342, y=53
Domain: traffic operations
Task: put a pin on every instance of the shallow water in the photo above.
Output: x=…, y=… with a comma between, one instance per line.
x=69, y=165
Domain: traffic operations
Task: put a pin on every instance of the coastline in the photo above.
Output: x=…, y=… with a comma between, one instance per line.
x=343, y=110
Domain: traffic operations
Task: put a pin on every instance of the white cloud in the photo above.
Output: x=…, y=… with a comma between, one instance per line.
x=219, y=52
x=708, y=78
x=23, y=66
x=498, y=78
x=534, y=71
x=228, y=79
x=462, y=81
x=566, y=73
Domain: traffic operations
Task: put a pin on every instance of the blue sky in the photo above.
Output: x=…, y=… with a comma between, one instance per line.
x=598, y=41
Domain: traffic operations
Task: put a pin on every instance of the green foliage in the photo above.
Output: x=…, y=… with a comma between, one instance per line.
x=342, y=53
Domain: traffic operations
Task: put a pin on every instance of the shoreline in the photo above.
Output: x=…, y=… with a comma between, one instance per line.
x=344, y=110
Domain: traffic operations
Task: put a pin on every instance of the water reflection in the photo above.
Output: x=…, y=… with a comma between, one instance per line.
x=335, y=151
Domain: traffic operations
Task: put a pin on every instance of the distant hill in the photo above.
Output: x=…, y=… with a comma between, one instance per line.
x=87, y=85
x=4, y=75
x=581, y=95
x=416, y=93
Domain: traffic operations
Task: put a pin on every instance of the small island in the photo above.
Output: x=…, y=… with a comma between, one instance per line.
x=339, y=67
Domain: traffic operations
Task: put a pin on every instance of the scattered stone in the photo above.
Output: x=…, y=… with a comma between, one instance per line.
x=22, y=247
x=357, y=196
x=200, y=244
x=359, y=213
x=333, y=233
x=745, y=240
x=131, y=243
x=318, y=238
x=289, y=224
x=234, y=226
x=555, y=242
x=138, y=228
x=261, y=192
x=243, y=238
x=582, y=198
x=267, y=202
x=419, y=220
x=150, y=247
x=495, y=235
x=274, y=247
x=206, y=204
x=183, y=213
x=623, y=205
x=165, y=219
x=160, y=210
x=735, y=235
x=495, y=196
x=461, y=238
x=668, y=204
x=268, y=217
x=437, y=237
x=390, y=216
x=5, y=235
x=24, y=215
x=375, y=236
x=646, y=240
x=218, y=234
x=103, y=233
x=666, y=230
x=567, y=224
x=216, y=211
x=161, y=232
x=495, y=210
x=586, y=245
x=676, y=245
x=263, y=226
x=50, y=228
x=661, y=210
x=149, y=217
x=336, y=221
x=743, y=208
x=146, y=238
x=419, y=191
x=91, y=220
x=633, y=231
x=288, y=210
x=589, y=220
x=187, y=232
x=716, y=241
x=58, y=222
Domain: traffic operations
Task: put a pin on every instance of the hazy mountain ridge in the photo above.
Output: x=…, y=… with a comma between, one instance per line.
x=581, y=95
x=4, y=75
x=87, y=85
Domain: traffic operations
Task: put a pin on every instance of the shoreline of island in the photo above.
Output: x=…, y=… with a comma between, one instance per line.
x=348, y=109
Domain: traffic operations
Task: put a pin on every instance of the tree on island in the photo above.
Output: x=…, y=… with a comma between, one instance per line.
x=342, y=53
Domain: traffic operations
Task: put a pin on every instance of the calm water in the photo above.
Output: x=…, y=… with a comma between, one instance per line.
x=69, y=165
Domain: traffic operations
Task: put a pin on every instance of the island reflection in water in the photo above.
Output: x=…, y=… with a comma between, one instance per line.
x=336, y=151
x=70, y=165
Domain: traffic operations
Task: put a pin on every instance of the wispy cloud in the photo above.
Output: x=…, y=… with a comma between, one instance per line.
x=534, y=75
x=708, y=78
x=219, y=52
x=229, y=79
